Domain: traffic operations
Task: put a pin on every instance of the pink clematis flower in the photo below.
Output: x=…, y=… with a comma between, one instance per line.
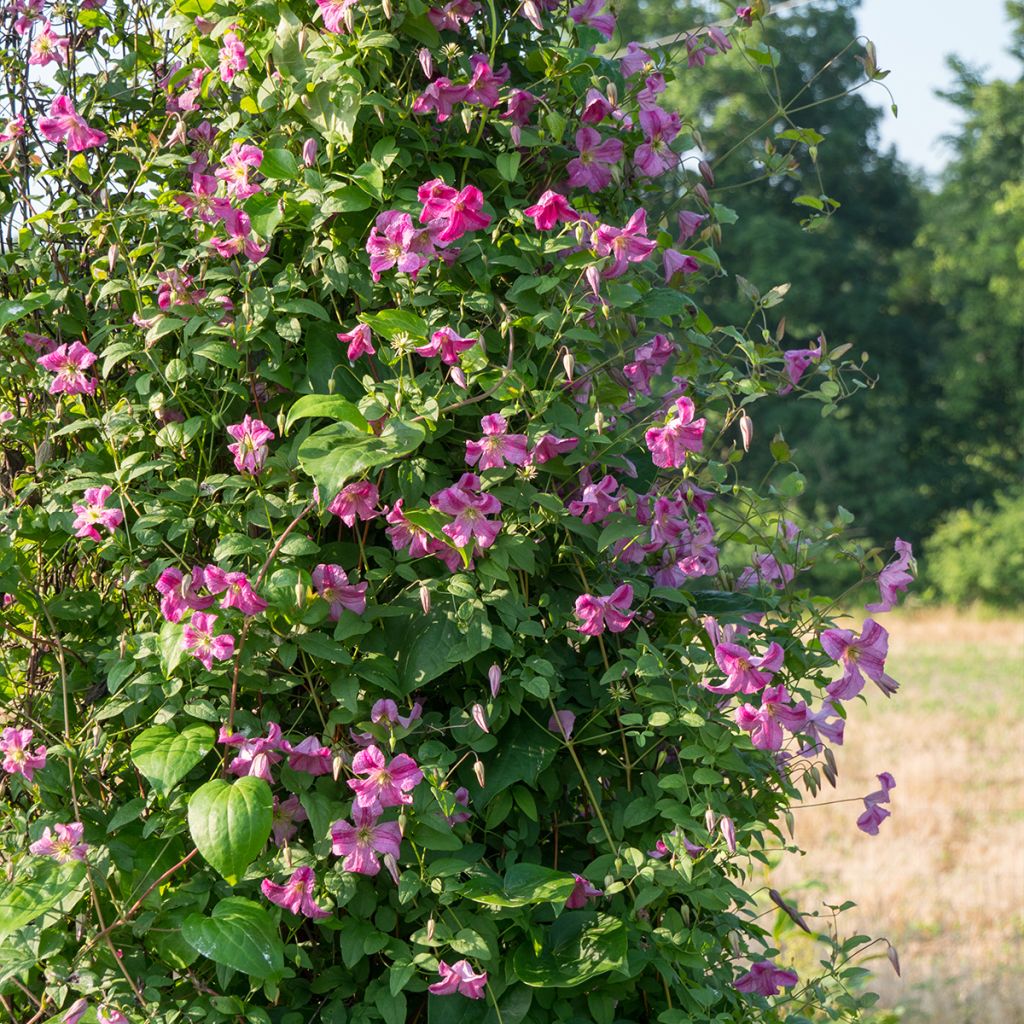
x=309, y=756
x=765, y=979
x=625, y=245
x=255, y=756
x=386, y=710
x=395, y=242
x=107, y=1014
x=403, y=533
x=637, y=61
x=389, y=785
x=874, y=814
x=593, y=167
x=232, y=58
x=250, y=448
x=797, y=361
x=483, y=86
x=28, y=12
x=199, y=638
x=235, y=587
x=589, y=13
x=239, y=161
x=48, y=47
x=65, y=124
x=689, y=224
x=94, y=513
x=676, y=262
x=766, y=569
x=69, y=363
x=894, y=578
x=286, y=814
x=202, y=201
x=75, y=1012
x=356, y=501
x=470, y=510
x=824, y=724
x=562, y=722
x=744, y=672
x=765, y=723
x=611, y=612
x=598, y=501
x=520, y=106
x=497, y=446
x=668, y=445
x=548, y=447
x=362, y=843
x=331, y=582
x=296, y=894
x=64, y=844
x=452, y=15
x=359, y=341
x=337, y=15
x=462, y=800
x=449, y=213
x=581, y=894
x=18, y=758
x=440, y=96
x=649, y=360
x=446, y=344
x=654, y=157
x=459, y=977
x=860, y=656
x=239, y=240
x=13, y=129
x=550, y=210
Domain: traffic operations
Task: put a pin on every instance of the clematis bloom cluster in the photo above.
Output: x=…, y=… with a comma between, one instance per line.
x=874, y=814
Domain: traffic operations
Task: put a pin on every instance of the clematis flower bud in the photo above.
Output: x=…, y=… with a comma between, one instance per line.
x=729, y=832
x=709, y=819
x=746, y=431
x=386, y=8
x=478, y=771
x=494, y=678
x=458, y=377
x=427, y=62
x=336, y=765
x=425, y=598
x=568, y=364
x=706, y=173
x=480, y=717
x=431, y=929
x=392, y=865
x=702, y=194
x=309, y=152
x=894, y=958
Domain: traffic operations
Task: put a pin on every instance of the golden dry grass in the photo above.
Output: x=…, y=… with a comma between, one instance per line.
x=944, y=879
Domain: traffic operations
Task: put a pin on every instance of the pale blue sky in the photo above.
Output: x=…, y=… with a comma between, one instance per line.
x=913, y=38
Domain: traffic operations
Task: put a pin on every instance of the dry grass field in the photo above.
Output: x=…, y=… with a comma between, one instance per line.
x=944, y=879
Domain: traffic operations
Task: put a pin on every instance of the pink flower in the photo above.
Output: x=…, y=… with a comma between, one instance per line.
x=389, y=785
x=66, y=125
x=395, y=242
x=359, y=341
x=648, y=361
x=766, y=569
x=255, y=756
x=450, y=214
x=336, y=15
x=582, y=892
x=95, y=513
x=797, y=361
x=107, y=1014
x=765, y=979
x=636, y=61
x=356, y=501
x=237, y=590
x=654, y=157
x=860, y=656
x=286, y=814
x=894, y=578
x=296, y=894
x=234, y=172
x=744, y=672
x=598, y=501
x=745, y=13
x=593, y=167
x=494, y=679
x=596, y=613
x=75, y=1012
x=668, y=445
x=232, y=56
x=239, y=240
x=28, y=12
x=199, y=639
x=826, y=723
x=386, y=710
x=309, y=757
x=47, y=47
x=459, y=978
x=548, y=446
x=440, y=96
x=625, y=245
x=470, y=510
x=403, y=533
x=676, y=262
x=446, y=344
x=176, y=290
x=13, y=129
x=497, y=446
x=874, y=814
x=70, y=362
x=452, y=15
x=64, y=844
x=461, y=799
x=588, y=13
x=18, y=759
x=250, y=448
x=520, y=106
x=331, y=582
x=689, y=223
x=562, y=722
x=550, y=210
x=765, y=723
x=364, y=841
x=483, y=86
x=203, y=202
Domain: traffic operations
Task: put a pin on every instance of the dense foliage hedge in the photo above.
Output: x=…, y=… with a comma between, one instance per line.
x=389, y=632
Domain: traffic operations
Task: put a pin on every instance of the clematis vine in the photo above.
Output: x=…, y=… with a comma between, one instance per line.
x=894, y=578
x=252, y=437
x=859, y=656
x=201, y=641
x=65, y=124
x=18, y=758
x=765, y=979
x=331, y=582
x=94, y=513
x=362, y=843
x=599, y=613
x=63, y=843
x=296, y=895
x=387, y=784
x=69, y=363
x=459, y=978
x=668, y=445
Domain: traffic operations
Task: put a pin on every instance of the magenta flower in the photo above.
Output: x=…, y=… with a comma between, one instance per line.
x=403, y=533
x=66, y=125
x=48, y=47
x=797, y=361
x=107, y=1014
x=236, y=588
x=824, y=724
x=336, y=15
x=648, y=361
x=199, y=638
x=596, y=107
x=689, y=224
x=449, y=214
x=470, y=510
x=625, y=245
x=452, y=15
x=668, y=445
x=18, y=758
x=309, y=757
x=331, y=582
x=589, y=13
x=356, y=501
x=636, y=61
x=64, y=844
x=598, y=501
x=296, y=894
x=363, y=842
x=359, y=341
x=562, y=722
x=676, y=262
x=765, y=979
x=548, y=447
x=593, y=167
x=597, y=613
x=69, y=363
x=654, y=157
x=765, y=723
x=766, y=569
x=286, y=814
x=389, y=785
x=744, y=672
x=255, y=756
x=250, y=449
x=176, y=289
x=95, y=513
x=581, y=894
x=550, y=210
x=202, y=201
x=75, y=1012
x=395, y=242
x=860, y=656
x=483, y=86
x=446, y=344
x=232, y=58
x=13, y=129
x=234, y=172
x=28, y=12
x=386, y=710
x=520, y=106
x=440, y=96
x=874, y=814
x=462, y=800
x=239, y=240
x=894, y=578
x=459, y=977
x=497, y=446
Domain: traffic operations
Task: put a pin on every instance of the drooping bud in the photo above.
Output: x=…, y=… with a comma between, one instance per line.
x=791, y=912
x=729, y=832
x=425, y=598
x=894, y=959
x=593, y=276
x=515, y=133
x=709, y=819
x=336, y=765
x=532, y=14
x=478, y=771
x=746, y=431
x=569, y=365
x=494, y=678
x=392, y=865
x=480, y=717
x=385, y=6
x=458, y=377
x=426, y=62
x=702, y=194
x=431, y=929
x=309, y=152
x=705, y=172
x=112, y=259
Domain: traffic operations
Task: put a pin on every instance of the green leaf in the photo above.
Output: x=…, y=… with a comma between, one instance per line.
x=14, y=309
x=331, y=407
x=279, y=163
x=27, y=897
x=577, y=947
x=508, y=165
x=264, y=212
x=240, y=934
x=340, y=453
x=389, y=323
x=231, y=822
x=523, y=884
x=165, y=757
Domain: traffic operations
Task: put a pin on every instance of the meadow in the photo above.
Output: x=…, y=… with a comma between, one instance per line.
x=944, y=879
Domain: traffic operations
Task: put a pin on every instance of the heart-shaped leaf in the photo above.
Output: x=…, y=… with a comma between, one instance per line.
x=25, y=898
x=231, y=822
x=240, y=934
x=331, y=407
x=577, y=947
x=165, y=757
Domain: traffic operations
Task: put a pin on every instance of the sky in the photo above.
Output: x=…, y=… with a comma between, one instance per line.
x=913, y=38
